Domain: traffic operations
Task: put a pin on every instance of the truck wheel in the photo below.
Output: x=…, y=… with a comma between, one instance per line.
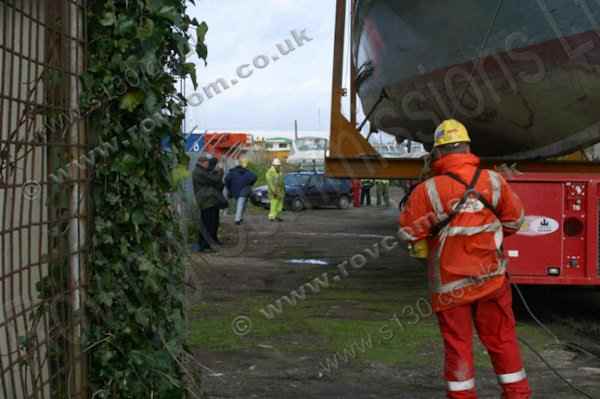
x=297, y=205
x=343, y=202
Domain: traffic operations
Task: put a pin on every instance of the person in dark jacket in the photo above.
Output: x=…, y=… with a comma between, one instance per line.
x=208, y=190
x=239, y=182
x=365, y=193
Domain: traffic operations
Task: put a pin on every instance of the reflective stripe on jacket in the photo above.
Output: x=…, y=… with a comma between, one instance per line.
x=466, y=261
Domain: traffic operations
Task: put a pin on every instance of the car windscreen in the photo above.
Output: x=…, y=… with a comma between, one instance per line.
x=296, y=180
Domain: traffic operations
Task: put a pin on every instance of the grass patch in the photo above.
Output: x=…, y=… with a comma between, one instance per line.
x=385, y=341
x=391, y=325
x=395, y=342
x=217, y=332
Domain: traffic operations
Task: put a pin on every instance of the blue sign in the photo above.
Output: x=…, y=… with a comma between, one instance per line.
x=193, y=142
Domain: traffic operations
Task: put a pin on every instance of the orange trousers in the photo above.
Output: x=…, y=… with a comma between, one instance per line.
x=494, y=321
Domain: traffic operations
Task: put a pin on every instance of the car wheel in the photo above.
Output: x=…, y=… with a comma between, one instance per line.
x=297, y=205
x=343, y=202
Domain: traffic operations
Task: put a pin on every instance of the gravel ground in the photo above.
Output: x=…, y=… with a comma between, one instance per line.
x=294, y=353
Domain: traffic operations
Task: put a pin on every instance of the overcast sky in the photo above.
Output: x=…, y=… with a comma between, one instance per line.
x=296, y=86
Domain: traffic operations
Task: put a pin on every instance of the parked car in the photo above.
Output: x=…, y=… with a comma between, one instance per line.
x=309, y=190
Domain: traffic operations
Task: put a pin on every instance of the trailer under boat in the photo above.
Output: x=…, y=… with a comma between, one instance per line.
x=561, y=196
x=524, y=77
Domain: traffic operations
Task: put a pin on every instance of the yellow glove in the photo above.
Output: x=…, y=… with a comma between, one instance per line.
x=419, y=249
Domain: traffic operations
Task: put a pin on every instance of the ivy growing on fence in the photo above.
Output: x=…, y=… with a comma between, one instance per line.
x=136, y=52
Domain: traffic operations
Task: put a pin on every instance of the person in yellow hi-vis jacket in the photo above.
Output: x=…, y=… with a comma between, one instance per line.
x=276, y=188
x=382, y=189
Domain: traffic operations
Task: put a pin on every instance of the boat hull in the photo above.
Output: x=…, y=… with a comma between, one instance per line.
x=523, y=87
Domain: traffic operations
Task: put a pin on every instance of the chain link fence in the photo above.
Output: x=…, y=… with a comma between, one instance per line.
x=43, y=235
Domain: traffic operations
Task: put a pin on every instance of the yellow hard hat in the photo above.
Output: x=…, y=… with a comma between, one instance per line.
x=450, y=131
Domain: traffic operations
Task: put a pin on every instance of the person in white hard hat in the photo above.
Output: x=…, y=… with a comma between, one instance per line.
x=276, y=188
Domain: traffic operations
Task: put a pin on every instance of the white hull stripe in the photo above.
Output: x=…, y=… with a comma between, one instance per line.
x=457, y=386
x=512, y=377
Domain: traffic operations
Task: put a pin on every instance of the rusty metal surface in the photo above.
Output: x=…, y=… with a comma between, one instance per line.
x=371, y=168
x=410, y=169
x=43, y=246
x=345, y=140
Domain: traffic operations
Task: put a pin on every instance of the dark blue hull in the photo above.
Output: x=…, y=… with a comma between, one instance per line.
x=524, y=76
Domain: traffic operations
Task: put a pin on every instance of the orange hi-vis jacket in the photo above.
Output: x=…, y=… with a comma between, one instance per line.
x=466, y=260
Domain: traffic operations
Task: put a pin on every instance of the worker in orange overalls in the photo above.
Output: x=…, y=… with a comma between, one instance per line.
x=458, y=220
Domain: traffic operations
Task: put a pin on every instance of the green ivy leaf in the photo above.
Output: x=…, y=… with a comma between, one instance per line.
x=151, y=103
x=108, y=19
x=138, y=217
x=105, y=298
x=179, y=174
x=183, y=46
x=125, y=25
x=146, y=30
x=202, y=52
x=190, y=69
x=201, y=32
x=201, y=48
x=127, y=164
x=106, y=356
x=132, y=100
x=169, y=12
x=145, y=265
x=133, y=216
x=113, y=198
x=142, y=318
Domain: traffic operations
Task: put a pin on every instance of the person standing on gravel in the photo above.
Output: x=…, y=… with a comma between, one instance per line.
x=382, y=189
x=458, y=220
x=276, y=187
x=365, y=192
x=239, y=182
x=207, y=179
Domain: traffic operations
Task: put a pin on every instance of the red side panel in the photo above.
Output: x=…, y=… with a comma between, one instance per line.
x=539, y=244
x=558, y=243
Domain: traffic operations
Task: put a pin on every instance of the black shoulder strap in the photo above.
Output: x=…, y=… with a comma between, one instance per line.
x=480, y=197
x=469, y=190
x=457, y=178
x=469, y=186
